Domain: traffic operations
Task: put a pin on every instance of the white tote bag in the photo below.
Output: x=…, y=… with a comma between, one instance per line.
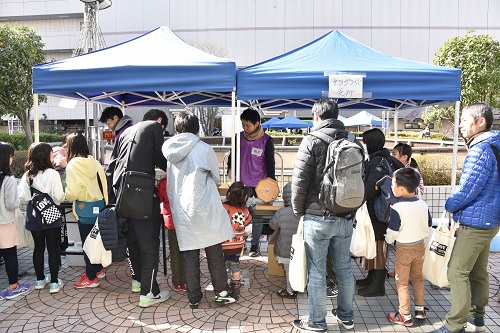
x=437, y=254
x=25, y=237
x=297, y=274
x=94, y=248
x=363, y=236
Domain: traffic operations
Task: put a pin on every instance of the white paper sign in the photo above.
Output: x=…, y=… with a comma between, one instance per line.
x=345, y=86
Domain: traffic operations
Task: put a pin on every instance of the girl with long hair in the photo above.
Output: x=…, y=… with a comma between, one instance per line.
x=41, y=175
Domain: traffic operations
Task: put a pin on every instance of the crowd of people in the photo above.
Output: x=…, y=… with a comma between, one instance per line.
x=188, y=203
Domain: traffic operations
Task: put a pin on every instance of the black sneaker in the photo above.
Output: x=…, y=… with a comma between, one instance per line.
x=348, y=324
x=332, y=291
x=225, y=297
x=306, y=325
x=254, y=251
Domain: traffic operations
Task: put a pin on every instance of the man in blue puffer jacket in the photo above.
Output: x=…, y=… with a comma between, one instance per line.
x=476, y=205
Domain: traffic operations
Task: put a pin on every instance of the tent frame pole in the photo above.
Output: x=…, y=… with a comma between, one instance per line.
x=455, y=147
x=233, y=130
x=36, y=124
x=237, y=144
x=395, y=119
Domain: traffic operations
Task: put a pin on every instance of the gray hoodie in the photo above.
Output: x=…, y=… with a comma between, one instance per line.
x=192, y=174
x=286, y=223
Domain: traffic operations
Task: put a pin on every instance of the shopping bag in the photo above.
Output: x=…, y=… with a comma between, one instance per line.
x=25, y=237
x=363, y=237
x=437, y=254
x=94, y=248
x=297, y=274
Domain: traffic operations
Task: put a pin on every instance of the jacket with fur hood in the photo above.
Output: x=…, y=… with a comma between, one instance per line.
x=197, y=211
x=81, y=181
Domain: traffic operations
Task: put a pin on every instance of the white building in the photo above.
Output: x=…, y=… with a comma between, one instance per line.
x=251, y=31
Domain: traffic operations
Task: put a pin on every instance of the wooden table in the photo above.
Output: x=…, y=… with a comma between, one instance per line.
x=262, y=210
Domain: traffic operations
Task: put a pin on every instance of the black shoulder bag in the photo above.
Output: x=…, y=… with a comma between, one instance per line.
x=134, y=199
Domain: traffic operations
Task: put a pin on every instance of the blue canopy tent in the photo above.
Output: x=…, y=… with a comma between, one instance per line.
x=297, y=79
x=364, y=118
x=290, y=122
x=157, y=68
x=268, y=123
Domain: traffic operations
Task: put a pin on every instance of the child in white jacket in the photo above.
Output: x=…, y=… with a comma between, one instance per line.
x=408, y=226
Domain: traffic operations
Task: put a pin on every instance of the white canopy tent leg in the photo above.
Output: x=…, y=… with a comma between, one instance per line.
x=36, y=125
x=395, y=119
x=237, y=143
x=455, y=147
x=233, y=129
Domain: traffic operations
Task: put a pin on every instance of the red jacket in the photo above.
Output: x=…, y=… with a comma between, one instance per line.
x=239, y=219
x=166, y=212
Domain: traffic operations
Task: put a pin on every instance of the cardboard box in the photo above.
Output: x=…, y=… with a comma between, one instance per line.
x=223, y=188
x=74, y=256
x=273, y=268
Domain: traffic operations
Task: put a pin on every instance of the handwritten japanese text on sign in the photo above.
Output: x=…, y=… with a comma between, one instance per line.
x=345, y=86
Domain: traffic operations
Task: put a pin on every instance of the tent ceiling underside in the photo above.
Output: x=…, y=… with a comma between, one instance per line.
x=350, y=104
x=165, y=98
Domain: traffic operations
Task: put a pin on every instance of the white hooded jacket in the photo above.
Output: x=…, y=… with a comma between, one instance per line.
x=192, y=174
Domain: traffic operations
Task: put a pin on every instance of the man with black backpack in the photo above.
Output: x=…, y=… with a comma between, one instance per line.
x=318, y=194
x=139, y=153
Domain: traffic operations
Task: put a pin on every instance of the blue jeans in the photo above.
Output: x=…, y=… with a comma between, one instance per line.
x=321, y=234
x=257, y=226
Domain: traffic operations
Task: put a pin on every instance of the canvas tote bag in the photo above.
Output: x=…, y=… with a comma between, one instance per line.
x=94, y=248
x=363, y=236
x=437, y=254
x=298, y=264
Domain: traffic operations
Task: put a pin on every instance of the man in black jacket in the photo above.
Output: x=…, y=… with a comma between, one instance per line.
x=144, y=140
x=322, y=232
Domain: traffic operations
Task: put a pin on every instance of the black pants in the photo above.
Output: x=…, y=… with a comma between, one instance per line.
x=50, y=238
x=144, y=249
x=11, y=264
x=216, y=266
x=90, y=269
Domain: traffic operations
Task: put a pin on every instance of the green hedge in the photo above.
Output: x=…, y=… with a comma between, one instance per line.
x=18, y=140
x=437, y=169
x=18, y=162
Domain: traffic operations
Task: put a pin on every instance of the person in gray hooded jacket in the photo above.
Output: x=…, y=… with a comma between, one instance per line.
x=285, y=223
x=199, y=217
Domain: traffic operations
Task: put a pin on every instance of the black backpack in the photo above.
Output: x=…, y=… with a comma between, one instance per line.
x=343, y=189
x=385, y=198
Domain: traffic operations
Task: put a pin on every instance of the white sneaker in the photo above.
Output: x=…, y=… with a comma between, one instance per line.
x=149, y=299
x=40, y=284
x=56, y=286
x=136, y=286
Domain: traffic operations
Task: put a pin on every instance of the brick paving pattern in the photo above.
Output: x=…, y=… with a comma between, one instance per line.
x=112, y=307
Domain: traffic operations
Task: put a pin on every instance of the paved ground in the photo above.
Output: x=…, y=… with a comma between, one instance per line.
x=112, y=307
